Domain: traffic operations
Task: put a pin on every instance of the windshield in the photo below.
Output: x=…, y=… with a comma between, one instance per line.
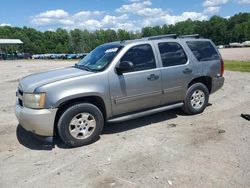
x=100, y=57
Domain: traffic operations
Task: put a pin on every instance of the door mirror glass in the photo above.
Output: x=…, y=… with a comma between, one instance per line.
x=125, y=66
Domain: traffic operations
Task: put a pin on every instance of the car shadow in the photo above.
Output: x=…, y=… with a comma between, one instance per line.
x=112, y=128
x=34, y=142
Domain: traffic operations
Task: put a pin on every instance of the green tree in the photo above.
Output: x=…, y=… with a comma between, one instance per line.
x=220, y=30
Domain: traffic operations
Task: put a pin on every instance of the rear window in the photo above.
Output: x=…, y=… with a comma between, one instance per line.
x=203, y=50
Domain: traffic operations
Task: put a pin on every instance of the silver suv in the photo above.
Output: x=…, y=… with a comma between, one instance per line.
x=119, y=81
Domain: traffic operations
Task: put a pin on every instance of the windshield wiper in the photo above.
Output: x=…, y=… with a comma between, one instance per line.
x=83, y=67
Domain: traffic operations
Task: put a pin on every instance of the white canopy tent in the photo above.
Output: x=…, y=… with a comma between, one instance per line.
x=9, y=48
x=10, y=41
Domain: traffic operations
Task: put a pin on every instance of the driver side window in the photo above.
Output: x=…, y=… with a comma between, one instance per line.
x=141, y=56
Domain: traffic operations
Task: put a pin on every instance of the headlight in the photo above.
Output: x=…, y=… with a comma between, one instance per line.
x=34, y=100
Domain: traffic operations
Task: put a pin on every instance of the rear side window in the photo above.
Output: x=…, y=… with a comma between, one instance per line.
x=141, y=56
x=203, y=50
x=172, y=54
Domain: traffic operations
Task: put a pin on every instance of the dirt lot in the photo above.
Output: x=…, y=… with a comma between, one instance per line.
x=237, y=54
x=168, y=149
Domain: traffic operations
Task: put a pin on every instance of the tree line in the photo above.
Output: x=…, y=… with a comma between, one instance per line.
x=220, y=30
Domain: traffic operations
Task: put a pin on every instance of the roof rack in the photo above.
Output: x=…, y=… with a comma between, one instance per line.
x=196, y=36
x=174, y=36
x=171, y=36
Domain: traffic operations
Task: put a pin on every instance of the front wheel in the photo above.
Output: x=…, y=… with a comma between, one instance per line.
x=80, y=124
x=196, y=99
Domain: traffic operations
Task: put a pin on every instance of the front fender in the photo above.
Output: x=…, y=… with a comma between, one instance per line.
x=86, y=86
x=76, y=96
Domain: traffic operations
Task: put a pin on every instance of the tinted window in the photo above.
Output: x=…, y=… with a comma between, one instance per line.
x=203, y=50
x=141, y=56
x=172, y=54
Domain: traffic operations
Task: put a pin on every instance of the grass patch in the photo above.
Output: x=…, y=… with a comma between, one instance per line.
x=242, y=66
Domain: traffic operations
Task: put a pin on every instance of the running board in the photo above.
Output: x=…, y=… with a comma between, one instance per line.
x=145, y=113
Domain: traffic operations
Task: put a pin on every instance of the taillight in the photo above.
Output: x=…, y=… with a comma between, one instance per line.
x=221, y=67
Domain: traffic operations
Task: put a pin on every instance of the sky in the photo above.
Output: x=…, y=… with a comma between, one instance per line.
x=131, y=15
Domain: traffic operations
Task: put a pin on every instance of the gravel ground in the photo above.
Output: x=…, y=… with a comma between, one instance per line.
x=237, y=54
x=168, y=149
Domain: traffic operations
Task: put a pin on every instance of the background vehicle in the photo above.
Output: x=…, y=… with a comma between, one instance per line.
x=120, y=81
x=2, y=56
x=71, y=56
x=24, y=56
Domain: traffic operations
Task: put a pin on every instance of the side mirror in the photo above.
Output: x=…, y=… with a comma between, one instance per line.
x=124, y=66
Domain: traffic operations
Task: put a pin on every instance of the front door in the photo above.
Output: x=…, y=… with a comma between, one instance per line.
x=140, y=88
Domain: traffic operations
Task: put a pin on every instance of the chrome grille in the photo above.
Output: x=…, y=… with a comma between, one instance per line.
x=19, y=95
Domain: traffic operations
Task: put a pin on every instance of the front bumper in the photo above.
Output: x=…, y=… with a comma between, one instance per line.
x=40, y=122
x=217, y=83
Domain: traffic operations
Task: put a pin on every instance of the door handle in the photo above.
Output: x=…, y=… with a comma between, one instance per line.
x=152, y=77
x=187, y=71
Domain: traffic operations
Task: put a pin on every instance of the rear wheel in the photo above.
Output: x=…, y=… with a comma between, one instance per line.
x=80, y=124
x=196, y=100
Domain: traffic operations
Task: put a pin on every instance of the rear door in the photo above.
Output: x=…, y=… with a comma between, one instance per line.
x=176, y=71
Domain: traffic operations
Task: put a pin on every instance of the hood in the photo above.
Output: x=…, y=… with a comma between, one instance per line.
x=31, y=82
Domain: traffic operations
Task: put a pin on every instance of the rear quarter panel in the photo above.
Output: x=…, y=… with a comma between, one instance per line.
x=212, y=68
x=205, y=68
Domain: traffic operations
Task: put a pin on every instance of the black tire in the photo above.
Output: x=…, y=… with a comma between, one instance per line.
x=193, y=109
x=69, y=114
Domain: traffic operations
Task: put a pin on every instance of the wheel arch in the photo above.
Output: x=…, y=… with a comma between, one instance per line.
x=95, y=100
x=206, y=80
